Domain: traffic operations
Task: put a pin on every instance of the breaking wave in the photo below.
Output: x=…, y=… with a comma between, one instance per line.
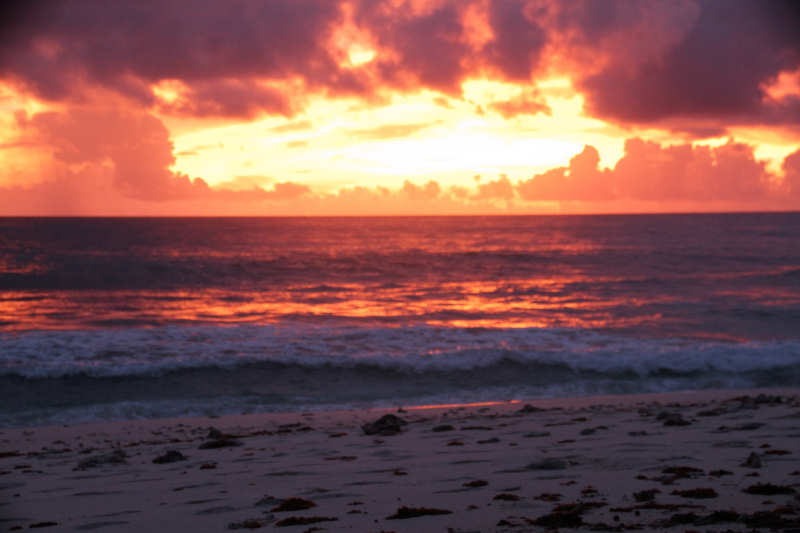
x=180, y=371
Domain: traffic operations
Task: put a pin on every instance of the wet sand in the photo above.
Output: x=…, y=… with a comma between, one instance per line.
x=705, y=461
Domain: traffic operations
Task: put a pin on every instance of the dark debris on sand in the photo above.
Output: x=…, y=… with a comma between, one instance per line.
x=548, y=463
x=655, y=506
x=674, y=473
x=566, y=515
x=250, y=523
x=720, y=473
x=681, y=472
x=750, y=426
x=717, y=517
x=386, y=425
x=768, y=489
x=528, y=408
x=12, y=453
x=548, y=497
x=217, y=439
x=171, y=456
x=222, y=443
x=293, y=504
x=645, y=495
x=752, y=461
x=699, y=493
x=412, y=512
x=750, y=402
x=303, y=520
x=672, y=419
x=114, y=458
x=773, y=520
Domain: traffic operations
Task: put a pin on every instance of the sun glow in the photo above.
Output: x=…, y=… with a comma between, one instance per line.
x=359, y=55
x=168, y=91
x=413, y=136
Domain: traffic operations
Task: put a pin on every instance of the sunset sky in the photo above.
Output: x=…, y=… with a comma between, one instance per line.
x=351, y=107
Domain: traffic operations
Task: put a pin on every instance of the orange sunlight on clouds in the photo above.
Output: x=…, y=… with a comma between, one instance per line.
x=399, y=107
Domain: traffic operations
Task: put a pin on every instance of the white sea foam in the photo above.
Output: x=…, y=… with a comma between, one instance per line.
x=420, y=349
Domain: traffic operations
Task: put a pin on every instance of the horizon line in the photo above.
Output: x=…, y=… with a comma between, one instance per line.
x=430, y=215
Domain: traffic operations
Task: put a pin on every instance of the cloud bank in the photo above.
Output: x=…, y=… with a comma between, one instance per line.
x=112, y=161
x=648, y=62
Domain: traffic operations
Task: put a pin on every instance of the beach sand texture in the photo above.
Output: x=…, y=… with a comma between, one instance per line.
x=710, y=461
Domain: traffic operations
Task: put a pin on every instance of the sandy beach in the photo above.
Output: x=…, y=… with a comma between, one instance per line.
x=707, y=461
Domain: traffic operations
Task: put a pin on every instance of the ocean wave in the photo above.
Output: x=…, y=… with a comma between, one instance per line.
x=77, y=376
x=411, y=349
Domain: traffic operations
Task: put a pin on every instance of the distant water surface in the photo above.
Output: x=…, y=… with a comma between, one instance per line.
x=106, y=318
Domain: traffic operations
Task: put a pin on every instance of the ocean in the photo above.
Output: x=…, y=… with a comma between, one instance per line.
x=126, y=318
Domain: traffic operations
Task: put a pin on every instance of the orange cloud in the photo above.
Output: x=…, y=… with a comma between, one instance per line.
x=299, y=125
x=113, y=160
x=526, y=103
x=133, y=144
x=654, y=173
x=581, y=181
x=429, y=191
x=500, y=189
x=116, y=160
x=287, y=190
x=791, y=170
x=650, y=172
x=390, y=131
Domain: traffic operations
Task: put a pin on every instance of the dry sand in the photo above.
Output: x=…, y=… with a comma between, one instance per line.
x=710, y=461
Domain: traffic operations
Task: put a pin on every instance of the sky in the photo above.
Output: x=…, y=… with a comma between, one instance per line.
x=384, y=107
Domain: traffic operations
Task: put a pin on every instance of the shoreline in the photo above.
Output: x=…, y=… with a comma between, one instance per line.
x=384, y=407
x=535, y=465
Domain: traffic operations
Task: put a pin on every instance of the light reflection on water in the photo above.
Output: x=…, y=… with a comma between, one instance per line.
x=454, y=304
x=710, y=276
x=510, y=304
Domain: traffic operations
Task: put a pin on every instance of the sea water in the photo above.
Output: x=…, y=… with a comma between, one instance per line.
x=121, y=318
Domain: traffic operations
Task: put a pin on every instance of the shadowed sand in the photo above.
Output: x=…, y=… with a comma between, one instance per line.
x=709, y=461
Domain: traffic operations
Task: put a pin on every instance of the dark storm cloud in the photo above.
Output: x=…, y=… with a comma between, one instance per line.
x=53, y=46
x=516, y=47
x=223, y=51
x=643, y=62
x=231, y=98
x=426, y=48
x=430, y=47
x=719, y=67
